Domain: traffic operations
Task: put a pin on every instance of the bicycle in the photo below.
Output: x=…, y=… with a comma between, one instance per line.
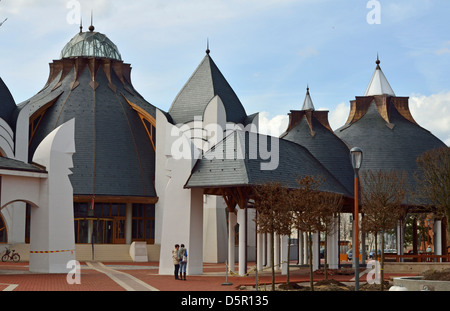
x=11, y=255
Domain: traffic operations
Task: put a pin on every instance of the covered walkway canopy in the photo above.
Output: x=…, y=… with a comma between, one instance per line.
x=245, y=159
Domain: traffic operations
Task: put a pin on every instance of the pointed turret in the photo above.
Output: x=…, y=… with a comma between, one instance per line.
x=310, y=128
x=205, y=83
x=379, y=85
x=308, y=104
x=381, y=124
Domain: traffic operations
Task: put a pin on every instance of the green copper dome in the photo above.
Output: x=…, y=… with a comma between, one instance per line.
x=91, y=44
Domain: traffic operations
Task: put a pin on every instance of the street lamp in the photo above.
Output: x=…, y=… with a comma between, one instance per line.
x=356, y=157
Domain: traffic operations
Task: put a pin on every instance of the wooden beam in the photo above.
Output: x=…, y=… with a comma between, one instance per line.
x=114, y=199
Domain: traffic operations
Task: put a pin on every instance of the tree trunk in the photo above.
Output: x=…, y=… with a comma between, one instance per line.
x=288, y=255
x=311, y=278
x=376, y=246
x=272, y=254
x=382, y=261
x=325, y=256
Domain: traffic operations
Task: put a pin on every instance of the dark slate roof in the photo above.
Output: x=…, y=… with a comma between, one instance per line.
x=295, y=161
x=112, y=146
x=393, y=145
x=206, y=82
x=325, y=146
x=7, y=104
x=11, y=164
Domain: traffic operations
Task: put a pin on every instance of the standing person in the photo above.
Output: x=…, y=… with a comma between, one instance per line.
x=176, y=260
x=182, y=254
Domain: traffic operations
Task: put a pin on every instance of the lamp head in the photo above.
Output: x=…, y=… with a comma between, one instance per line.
x=357, y=158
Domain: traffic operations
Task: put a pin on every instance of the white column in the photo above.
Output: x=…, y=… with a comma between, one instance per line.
x=305, y=238
x=400, y=238
x=315, y=251
x=284, y=254
x=232, y=221
x=214, y=229
x=195, y=238
x=264, y=249
x=260, y=252
x=437, y=237
x=300, y=248
x=269, y=251
x=277, y=252
x=242, y=232
x=333, y=246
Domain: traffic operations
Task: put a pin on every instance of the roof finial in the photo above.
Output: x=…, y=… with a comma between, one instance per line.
x=308, y=104
x=92, y=28
x=207, y=46
x=81, y=24
x=378, y=62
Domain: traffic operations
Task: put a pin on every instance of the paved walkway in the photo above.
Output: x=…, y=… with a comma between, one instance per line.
x=97, y=276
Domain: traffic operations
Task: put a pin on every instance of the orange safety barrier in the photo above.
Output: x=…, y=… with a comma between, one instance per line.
x=419, y=258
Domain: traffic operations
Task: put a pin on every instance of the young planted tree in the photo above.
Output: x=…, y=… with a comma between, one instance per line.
x=433, y=180
x=329, y=206
x=382, y=197
x=304, y=203
x=273, y=216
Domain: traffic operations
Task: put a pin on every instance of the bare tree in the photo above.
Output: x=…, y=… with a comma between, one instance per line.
x=382, y=197
x=329, y=206
x=272, y=208
x=304, y=205
x=433, y=180
x=1, y=23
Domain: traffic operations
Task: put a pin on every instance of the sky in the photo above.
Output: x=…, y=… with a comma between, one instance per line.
x=268, y=50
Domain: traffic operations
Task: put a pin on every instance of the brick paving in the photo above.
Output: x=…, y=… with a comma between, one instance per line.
x=115, y=277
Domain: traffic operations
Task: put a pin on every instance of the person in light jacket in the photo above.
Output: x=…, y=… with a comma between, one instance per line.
x=182, y=255
x=176, y=260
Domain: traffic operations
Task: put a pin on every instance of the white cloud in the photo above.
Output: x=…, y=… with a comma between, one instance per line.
x=432, y=113
x=308, y=52
x=445, y=49
x=277, y=125
x=339, y=116
x=272, y=126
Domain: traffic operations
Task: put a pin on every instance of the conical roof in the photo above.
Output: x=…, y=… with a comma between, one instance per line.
x=379, y=85
x=115, y=153
x=308, y=103
x=205, y=83
x=311, y=129
x=383, y=127
x=389, y=146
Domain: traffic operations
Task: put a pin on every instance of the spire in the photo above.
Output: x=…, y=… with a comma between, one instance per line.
x=379, y=85
x=308, y=104
x=92, y=28
x=207, y=46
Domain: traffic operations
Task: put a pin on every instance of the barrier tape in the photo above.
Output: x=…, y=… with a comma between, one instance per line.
x=50, y=252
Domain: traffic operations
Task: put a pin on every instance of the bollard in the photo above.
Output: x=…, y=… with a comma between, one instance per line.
x=226, y=274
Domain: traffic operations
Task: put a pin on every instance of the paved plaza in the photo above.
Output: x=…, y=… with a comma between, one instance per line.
x=107, y=276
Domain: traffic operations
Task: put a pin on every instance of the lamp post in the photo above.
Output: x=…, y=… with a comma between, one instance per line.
x=356, y=157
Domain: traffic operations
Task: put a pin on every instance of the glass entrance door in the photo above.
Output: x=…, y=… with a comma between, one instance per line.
x=119, y=231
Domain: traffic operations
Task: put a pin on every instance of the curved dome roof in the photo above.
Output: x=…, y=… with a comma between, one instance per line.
x=91, y=44
x=7, y=104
